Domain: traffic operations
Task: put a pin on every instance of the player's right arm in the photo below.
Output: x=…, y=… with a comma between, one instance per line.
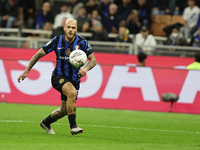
x=31, y=63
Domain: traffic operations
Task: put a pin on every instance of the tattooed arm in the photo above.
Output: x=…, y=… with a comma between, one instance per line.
x=89, y=65
x=31, y=63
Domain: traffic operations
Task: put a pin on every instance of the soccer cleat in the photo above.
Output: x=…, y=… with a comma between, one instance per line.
x=76, y=130
x=48, y=129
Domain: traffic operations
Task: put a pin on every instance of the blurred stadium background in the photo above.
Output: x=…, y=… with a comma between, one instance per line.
x=116, y=85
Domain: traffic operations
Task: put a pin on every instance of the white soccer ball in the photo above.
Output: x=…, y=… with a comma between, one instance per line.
x=78, y=58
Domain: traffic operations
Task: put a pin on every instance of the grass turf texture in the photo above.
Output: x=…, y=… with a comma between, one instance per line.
x=104, y=129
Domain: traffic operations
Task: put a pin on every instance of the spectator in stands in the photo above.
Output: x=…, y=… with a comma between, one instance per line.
x=104, y=8
x=59, y=30
x=74, y=7
x=44, y=16
x=190, y=16
x=90, y=6
x=194, y=30
x=82, y=19
x=176, y=38
x=144, y=12
x=144, y=39
x=111, y=22
x=195, y=40
x=99, y=33
x=179, y=7
x=125, y=8
x=141, y=59
x=161, y=7
x=27, y=13
x=123, y=38
x=64, y=14
x=48, y=26
x=38, y=4
x=86, y=27
x=133, y=22
x=196, y=64
x=95, y=16
x=8, y=13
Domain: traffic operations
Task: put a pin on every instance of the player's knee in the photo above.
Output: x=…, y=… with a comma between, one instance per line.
x=72, y=95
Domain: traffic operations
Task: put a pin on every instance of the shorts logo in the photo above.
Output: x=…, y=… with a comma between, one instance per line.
x=61, y=81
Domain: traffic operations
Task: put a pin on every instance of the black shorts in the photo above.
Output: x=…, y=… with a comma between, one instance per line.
x=58, y=82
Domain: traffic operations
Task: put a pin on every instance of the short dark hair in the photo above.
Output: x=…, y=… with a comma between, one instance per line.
x=197, y=56
x=141, y=56
x=176, y=27
x=65, y=4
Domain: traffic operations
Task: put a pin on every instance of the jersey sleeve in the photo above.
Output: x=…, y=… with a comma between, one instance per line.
x=86, y=47
x=50, y=46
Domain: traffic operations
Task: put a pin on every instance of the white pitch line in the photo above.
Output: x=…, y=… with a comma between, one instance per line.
x=16, y=121
x=11, y=121
x=112, y=127
x=140, y=129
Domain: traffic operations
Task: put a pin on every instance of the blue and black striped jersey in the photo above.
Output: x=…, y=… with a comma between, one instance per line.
x=62, y=50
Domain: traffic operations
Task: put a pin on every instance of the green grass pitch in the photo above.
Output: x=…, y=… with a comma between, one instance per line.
x=104, y=129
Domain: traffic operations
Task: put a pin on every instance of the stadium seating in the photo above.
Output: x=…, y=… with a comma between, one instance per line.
x=157, y=29
x=158, y=23
x=177, y=19
x=161, y=21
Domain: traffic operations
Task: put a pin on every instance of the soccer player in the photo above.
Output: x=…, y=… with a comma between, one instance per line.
x=196, y=64
x=141, y=58
x=65, y=77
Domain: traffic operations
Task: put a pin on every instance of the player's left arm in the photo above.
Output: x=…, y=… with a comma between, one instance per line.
x=92, y=62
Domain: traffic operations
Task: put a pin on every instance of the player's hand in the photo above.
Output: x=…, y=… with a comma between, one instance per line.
x=22, y=76
x=82, y=72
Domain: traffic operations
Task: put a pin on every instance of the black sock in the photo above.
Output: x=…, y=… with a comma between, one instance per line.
x=48, y=121
x=72, y=120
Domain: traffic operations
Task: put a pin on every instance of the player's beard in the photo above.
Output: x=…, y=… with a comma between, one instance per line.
x=70, y=37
